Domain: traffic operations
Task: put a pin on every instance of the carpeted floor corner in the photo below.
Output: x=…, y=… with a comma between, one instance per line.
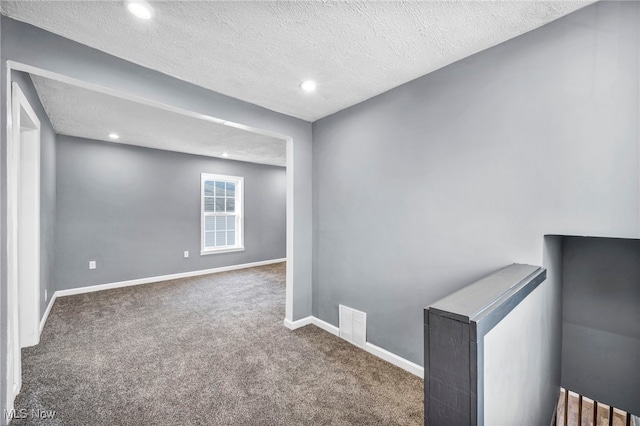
x=209, y=350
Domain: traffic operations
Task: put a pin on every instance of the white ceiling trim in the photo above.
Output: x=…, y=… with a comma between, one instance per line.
x=39, y=72
x=81, y=109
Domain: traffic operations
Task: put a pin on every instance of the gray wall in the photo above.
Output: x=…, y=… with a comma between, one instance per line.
x=552, y=261
x=136, y=210
x=47, y=187
x=522, y=353
x=601, y=318
x=432, y=185
x=522, y=359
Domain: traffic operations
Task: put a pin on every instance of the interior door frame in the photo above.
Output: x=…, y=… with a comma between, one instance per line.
x=291, y=284
x=23, y=233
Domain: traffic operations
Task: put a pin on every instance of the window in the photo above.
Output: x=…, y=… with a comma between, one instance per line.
x=222, y=214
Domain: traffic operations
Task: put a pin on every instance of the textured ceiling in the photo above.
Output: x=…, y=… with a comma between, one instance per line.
x=75, y=111
x=260, y=51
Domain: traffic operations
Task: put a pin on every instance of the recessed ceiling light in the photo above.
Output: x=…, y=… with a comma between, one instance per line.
x=140, y=9
x=308, y=85
x=224, y=154
x=114, y=136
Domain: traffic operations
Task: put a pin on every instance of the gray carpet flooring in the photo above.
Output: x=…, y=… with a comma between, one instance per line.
x=208, y=350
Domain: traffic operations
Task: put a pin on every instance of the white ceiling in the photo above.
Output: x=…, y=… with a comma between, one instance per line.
x=260, y=51
x=80, y=112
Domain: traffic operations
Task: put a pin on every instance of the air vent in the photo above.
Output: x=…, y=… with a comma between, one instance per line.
x=353, y=326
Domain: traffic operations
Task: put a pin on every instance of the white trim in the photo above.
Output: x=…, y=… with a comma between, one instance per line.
x=23, y=167
x=330, y=328
x=384, y=354
x=100, y=287
x=134, y=98
x=10, y=330
x=292, y=325
x=23, y=296
x=394, y=359
x=48, y=311
x=288, y=307
x=220, y=250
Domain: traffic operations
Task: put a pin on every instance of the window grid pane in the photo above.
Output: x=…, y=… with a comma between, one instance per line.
x=208, y=204
x=221, y=223
x=220, y=188
x=220, y=230
x=231, y=189
x=220, y=218
x=209, y=223
x=209, y=239
x=219, y=203
x=208, y=188
x=221, y=238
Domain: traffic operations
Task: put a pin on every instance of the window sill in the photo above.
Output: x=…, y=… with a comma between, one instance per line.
x=222, y=250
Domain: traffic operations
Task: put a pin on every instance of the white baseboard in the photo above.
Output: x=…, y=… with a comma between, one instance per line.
x=46, y=313
x=326, y=326
x=292, y=325
x=396, y=360
x=384, y=354
x=100, y=287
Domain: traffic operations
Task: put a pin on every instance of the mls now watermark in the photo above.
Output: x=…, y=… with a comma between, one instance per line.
x=34, y=413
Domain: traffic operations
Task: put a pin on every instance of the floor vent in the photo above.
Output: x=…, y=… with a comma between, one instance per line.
x=353, y=326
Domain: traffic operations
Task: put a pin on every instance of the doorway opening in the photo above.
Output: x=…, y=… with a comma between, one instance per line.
x=23, y=221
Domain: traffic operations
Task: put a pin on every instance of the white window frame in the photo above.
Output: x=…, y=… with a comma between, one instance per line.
x=239, y=211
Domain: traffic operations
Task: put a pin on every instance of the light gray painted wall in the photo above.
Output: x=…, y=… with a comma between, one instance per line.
x=30, y=45
x=519, y=357
x=434, y=184
x=136, y=210
x=47, y=186
x=601, y=318
x=522, y=353
x=552, y=261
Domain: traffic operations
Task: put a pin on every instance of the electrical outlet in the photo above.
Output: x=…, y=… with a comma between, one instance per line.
x=186, y=254
x=46, y=295
x=92, y=264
